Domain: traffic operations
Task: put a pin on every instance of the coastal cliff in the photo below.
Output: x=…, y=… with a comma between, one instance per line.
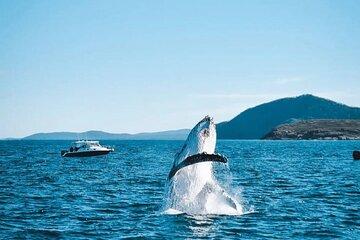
x=317, y=129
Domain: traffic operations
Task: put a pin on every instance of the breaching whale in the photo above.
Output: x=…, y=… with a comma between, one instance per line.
x=193, y=188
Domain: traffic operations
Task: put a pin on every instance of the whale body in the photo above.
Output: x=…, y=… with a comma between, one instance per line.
x=193, y=188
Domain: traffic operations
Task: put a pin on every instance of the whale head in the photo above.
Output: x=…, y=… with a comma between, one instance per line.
x=201, y=139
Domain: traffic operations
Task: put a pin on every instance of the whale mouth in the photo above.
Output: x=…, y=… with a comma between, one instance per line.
x=197, y=158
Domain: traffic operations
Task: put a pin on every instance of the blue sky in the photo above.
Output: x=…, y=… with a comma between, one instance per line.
x=133, y=66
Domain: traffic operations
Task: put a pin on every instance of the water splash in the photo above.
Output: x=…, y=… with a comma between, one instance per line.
x=192, y=192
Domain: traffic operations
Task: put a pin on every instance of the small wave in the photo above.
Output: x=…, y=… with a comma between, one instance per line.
x=249, y=211
x=171, y=211
x=51, y=153
x=45, y=232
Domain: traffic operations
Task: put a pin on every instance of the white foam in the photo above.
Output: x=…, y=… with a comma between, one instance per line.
x=210, y=199
x=171, y=211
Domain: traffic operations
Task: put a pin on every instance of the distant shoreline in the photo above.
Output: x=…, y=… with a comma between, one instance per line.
x=317, y=130
x=262, y=140
x=302, y=117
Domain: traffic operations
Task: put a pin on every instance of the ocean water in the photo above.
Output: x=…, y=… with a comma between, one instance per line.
x=288, y=189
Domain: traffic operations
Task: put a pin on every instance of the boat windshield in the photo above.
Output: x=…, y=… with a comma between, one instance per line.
x=85, y=144
x=94, y=144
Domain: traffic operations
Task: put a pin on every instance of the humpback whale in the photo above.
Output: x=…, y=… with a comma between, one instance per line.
x=192, y=187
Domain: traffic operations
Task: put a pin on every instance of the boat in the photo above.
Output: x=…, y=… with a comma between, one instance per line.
x=86, y=148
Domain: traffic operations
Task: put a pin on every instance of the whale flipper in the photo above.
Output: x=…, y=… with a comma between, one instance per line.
x=197, y=158
x=221, y=195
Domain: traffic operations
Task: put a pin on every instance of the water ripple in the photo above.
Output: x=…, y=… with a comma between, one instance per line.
x=290, y=189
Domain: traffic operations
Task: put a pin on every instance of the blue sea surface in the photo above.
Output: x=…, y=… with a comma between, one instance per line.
x=289, y=189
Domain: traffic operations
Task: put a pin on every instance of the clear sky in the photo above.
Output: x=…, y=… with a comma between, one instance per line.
x=133, y=66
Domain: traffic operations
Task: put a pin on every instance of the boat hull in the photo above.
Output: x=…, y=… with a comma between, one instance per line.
x=85, y=153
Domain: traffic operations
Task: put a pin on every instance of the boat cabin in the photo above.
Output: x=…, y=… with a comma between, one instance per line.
x=83, y=144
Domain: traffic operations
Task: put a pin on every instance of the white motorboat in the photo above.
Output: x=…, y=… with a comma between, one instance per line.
x=86, y=148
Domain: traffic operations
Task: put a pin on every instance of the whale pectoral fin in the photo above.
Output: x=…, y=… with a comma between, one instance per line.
x=222, y=196
x=207, y=189
x=197, y=158
x=229, y=200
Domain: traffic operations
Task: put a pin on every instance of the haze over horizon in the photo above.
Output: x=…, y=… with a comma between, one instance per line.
x=124, y=66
